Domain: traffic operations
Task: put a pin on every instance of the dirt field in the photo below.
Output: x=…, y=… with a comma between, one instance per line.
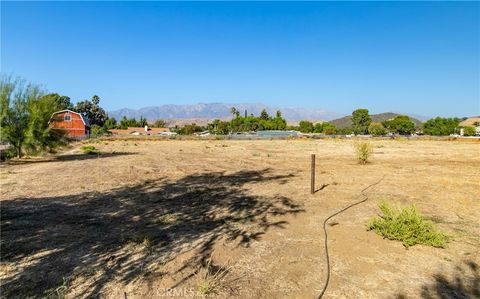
x=146, y=219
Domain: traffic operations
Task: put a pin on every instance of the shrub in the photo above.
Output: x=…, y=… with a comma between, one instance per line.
x=408, y=226
x=89, y=150
x=363, y=150
x=97, y=131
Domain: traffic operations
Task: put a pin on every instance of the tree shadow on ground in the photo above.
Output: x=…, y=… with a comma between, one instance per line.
x=69, y=157
x=57, y=237
x=464, y=284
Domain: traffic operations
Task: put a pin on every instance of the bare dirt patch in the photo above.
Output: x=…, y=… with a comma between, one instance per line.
x=150, y=219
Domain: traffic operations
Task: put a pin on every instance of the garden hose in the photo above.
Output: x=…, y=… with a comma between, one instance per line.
x=362, y=193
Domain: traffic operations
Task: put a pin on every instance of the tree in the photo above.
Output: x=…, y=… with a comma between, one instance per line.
x=127, y=122
x=401, y=124
x=469, y=131
x=142, y=122
x=264, y=115
x=305, y=126
x=110, y=123
x=25, y=115
x=190, y=129
x=61, y=102
x=219, y=127
x=249, y=123
x=14, y=111
x=377, y=129
x=95, y=100
x=235, y=112
x=40, y=136
x=159, y=123
x=318, y=128
x=329, y=129
x=440, y=126
x=95, y=114
x=360, y=121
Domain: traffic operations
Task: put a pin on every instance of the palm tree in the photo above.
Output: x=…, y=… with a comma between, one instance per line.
x=235, y=112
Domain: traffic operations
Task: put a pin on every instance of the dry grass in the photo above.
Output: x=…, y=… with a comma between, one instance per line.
x=211, y=279
x=248, y=201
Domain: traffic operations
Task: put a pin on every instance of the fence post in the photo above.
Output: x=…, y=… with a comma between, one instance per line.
x=312, y=175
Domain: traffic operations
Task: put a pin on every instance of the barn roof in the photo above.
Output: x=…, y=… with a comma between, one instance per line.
x=84, y=119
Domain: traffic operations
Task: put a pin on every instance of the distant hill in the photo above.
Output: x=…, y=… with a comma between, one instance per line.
x=210, y=111
x=347, y=120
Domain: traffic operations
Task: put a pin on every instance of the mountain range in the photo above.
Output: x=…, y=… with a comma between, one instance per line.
x=209, y=111
x=203, y=113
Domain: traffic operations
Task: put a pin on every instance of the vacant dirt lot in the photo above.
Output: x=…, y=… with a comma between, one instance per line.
x=149, y=219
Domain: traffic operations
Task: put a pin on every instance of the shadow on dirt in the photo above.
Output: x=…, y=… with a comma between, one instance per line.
x=96, y=233
x=70, y=157
x=464, y=285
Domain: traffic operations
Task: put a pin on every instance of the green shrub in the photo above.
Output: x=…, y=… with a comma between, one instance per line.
x=363, y=151
x=97, y=131
x=408, y=226
x=89, y=150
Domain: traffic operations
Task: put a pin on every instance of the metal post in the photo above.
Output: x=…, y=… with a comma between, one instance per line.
x=312, y=175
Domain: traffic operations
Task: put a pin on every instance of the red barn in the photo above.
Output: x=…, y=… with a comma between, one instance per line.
x=75, y=125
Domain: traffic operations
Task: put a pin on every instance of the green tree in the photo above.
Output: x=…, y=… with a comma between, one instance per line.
x=110, y=123
x=401, y=124
x=142, y=122
x=218, y=127
x=305, y=126
x=264, y=115
x=318, y=128
x=40, y=136
x=249, y=123
x=440, y=126
x=159, y=123
x=92, y=110
x=25, y=115
x=235, y=112
x=329, y=129
x=61, y=102
x=14, y=111
x=360, y=121
x=469, y=131
x=190, y=129
x=127, y=122
x=376, y=129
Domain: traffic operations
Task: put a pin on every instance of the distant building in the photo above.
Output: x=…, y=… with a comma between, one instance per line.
x=74, y=124
x=139, y=131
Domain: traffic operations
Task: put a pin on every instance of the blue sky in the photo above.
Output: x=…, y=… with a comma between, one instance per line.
x=410, y=57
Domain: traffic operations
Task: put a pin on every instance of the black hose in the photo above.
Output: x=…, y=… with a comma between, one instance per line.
x=362, y=193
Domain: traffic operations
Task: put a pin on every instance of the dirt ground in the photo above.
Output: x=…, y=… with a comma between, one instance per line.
x=154, y=219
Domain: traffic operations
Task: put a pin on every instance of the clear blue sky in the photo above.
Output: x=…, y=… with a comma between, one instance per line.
x=410, y=57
